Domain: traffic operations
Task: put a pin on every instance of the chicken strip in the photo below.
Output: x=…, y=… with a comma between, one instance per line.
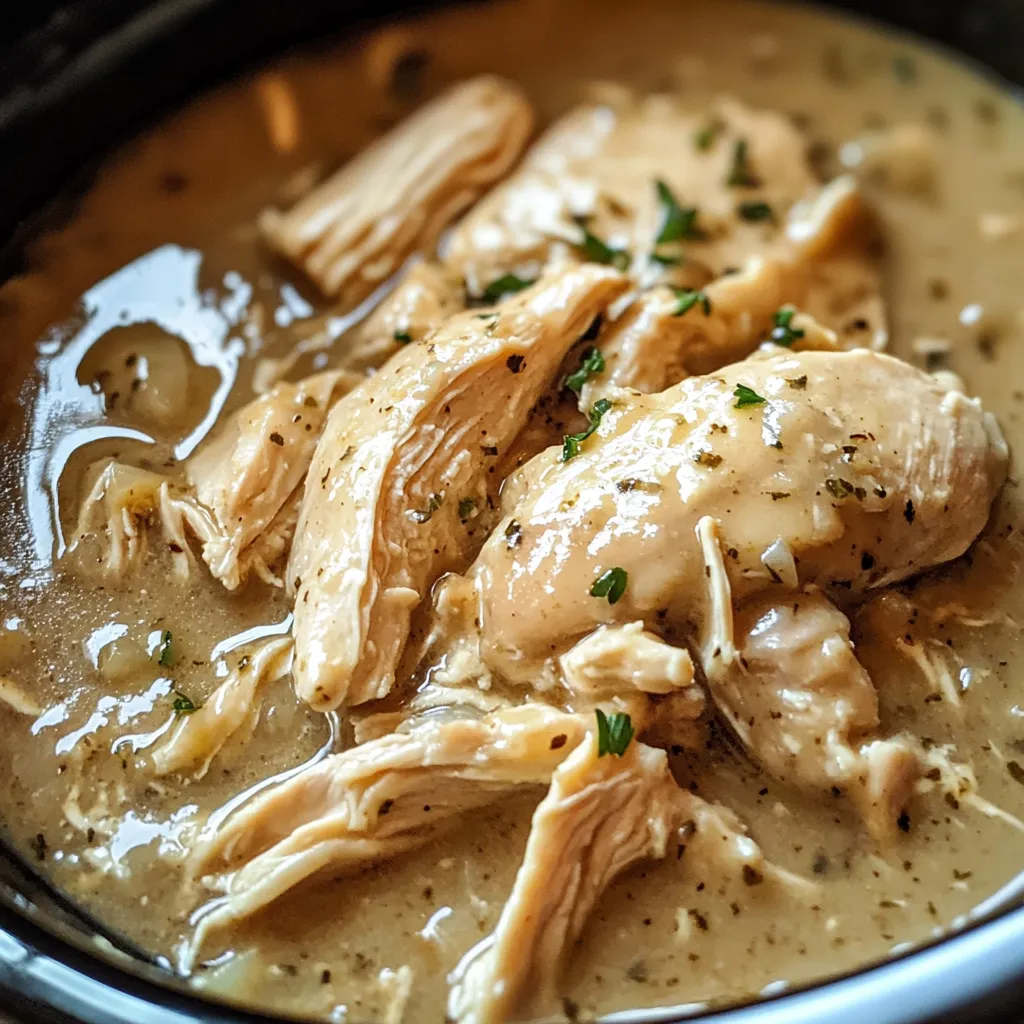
x=199, y=736
x=248, y=473
x=600, y=816
x=421, y=302
x=863, y=469
x=356, y=229
x=805, y=707
x=404, y=464
x=371, y=802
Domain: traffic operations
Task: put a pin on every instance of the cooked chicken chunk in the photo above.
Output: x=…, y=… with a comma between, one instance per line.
x=250, y=471
x=355, y=230
x=199, y=736
x=379, y=799
x=822, y=265
x=601, y=165
x=404, y=464
x=601, y=815
x=423, y=299
x=861, y=467
x=805, y=707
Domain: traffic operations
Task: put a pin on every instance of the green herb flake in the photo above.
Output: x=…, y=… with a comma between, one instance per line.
x=598, y=252
x=741, y=175
x=688, y=298
x=838, y=487
x=678, y=222
x=798, y=383
x=402, y=337
x=747, y=396
x=666, y=260
x=467, y=509
x=610, y=584
x=904, y=68
x=507, y=284
x=705, y=137
x=487, y=316
x=784, y=333
x=571, y=442
x=614, y=733
x=184, y=705
x=591, y=362
x=424, y=515
x=165, y=652
x=755, y=212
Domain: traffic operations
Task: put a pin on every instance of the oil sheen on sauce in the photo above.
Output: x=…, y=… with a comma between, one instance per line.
x=162, y=257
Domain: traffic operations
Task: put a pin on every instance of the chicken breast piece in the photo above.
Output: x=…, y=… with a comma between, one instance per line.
x=423, y=299
x=601, y=815
x=861, y=468
x=805, y=707
x=356, y=229
x=371, y=802
x=601, y=165
x=821, y=263
x=404, y=464
x=246, y=475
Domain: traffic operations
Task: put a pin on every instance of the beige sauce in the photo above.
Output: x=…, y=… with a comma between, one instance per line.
x=166, y=236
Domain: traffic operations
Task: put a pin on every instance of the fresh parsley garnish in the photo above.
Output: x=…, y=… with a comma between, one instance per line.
x=596, y=250
x=666, y=260
x=507, y=284
x=705, y=137
x=610, y=584
x=165, y=652
x=467, y=507
x=614, y=732
x=571, y=442
x=756, y=212
x=678, y=222
x=747, y=396
x=402, y=337
x=741, y=174
x=184, y=705
x=433, y=504
x=688, y=298
x=591, y=362
x=784, y=333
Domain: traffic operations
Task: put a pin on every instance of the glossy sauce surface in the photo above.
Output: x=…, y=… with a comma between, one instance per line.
x=163, y=257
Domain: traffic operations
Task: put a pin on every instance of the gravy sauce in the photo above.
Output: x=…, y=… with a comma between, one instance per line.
x=162, y=256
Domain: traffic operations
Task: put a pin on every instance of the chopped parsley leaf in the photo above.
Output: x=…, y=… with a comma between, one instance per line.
x=610, y=584
x=666, y=260
x=704, y=139
x=402, y=337
x=184, y=705
x=784, y=333
x=747, y=396
x=756, y=212
x=741, y=175
x=597, y=251
x=467, y=508
x=591, y=362
x=678, y=222
x=571, y=442
x=487, y=316
x=838, y=487
x=165, y=651
x=614, y=732
x=423, y=515
x=507, y=284
x=688, y=298
x=798, y=383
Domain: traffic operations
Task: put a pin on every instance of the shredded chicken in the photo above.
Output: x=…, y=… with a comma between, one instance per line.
x=377, y=800
x=354, y=231
x=199, y=736
x=601, y=814
x=402, y=468
x=806, y=708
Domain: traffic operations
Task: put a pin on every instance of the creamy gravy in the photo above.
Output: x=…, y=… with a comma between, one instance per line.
x=166, y=237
